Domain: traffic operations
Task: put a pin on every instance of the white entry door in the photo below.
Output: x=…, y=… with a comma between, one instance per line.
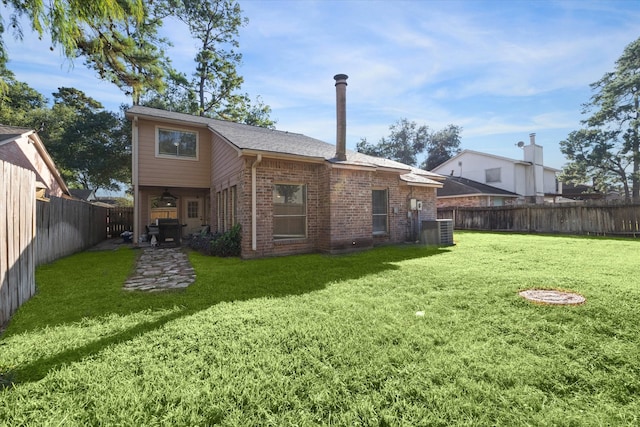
x=192, y=215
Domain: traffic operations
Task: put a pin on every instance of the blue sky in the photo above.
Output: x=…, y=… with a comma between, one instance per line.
x=499, y=69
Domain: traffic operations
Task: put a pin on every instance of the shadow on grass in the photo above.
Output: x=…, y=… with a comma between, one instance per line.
x=63, y=302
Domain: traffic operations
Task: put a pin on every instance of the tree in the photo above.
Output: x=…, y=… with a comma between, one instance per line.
x=442, y=145
x=90, y=146
x=610, y=144
x=407, y=141
x=215, y=24
x=128, y=52
x=213, y=88
x=19, y=101
x=67, y=21
x=119, y=39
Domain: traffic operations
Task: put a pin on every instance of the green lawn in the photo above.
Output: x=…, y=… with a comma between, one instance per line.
x=335, y=340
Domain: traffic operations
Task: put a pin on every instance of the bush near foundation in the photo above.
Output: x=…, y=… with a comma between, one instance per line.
x=218, y=244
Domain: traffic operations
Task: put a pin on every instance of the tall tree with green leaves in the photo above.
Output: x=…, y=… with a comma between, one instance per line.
x=213, y=89
x=93, y=146
x=442, y=145
x=129, y=52
x=19, y=101
x=215, y=25
x=67, y=21
x=607, y=150
x=119, y=39
x=405, y=142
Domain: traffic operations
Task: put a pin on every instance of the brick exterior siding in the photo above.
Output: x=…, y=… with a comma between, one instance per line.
x=473, y=201
x=339, y=208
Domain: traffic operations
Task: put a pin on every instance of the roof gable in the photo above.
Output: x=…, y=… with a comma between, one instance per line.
x=11, y=133
x=461, y=155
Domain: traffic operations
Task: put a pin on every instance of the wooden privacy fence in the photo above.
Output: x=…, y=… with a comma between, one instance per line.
x=17, y=235
x=67, y=226
x=118, y=220
x=557, y=218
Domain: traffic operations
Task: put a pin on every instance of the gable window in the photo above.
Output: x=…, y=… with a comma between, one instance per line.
x=380, y=210
x=176, y=143
x=492, y=175
x=289, y=211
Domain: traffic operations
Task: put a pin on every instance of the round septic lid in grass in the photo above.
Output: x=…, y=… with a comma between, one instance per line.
x=552, y=296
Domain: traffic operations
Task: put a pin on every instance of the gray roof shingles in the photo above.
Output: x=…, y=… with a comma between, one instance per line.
x=458, y=186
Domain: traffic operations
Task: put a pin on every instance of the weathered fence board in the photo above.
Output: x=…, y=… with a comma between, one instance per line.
x=68, y=226
x=619, y=219
x=119, y=219
x=17, y=234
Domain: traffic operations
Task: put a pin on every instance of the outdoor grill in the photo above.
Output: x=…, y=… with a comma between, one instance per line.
x=169, y=230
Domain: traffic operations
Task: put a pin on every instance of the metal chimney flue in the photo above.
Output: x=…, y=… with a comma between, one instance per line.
x=341, y=116
x=532, y=138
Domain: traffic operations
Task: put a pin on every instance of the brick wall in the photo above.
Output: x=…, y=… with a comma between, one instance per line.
x=472, y=201
x=339, y=208
x=270, y=172
x=351, y=217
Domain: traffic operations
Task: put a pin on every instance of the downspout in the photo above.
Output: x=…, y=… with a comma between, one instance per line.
x=134, y=179
x=254, y=203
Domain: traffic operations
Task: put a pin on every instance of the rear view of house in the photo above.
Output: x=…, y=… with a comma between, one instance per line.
x=289, y=192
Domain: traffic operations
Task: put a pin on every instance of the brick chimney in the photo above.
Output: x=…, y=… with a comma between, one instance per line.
x=341, y=116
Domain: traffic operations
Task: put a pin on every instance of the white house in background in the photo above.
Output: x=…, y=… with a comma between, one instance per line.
x=528, y=178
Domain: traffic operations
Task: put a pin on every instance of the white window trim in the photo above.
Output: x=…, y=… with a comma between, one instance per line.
x=167, y=156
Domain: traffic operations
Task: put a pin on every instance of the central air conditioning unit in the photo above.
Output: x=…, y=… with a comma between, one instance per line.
x=446, y=231
x=437, y=232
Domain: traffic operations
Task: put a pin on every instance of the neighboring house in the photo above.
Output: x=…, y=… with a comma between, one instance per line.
x=529, y=178
x=585, y=192
x=83, y=194
x=290, y=193
x=462, y=192
x=23, y=147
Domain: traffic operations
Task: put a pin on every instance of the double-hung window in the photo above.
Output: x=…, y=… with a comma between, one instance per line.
x=289, y=211
x=380, y=210
x=176, y=143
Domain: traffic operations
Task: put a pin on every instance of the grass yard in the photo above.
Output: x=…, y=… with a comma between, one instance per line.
x=335, y=340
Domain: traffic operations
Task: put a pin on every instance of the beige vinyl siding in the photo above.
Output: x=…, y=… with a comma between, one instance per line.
x=225, y=162
x=163, y=172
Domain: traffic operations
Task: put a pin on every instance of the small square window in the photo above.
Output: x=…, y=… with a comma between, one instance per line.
x=492, y=175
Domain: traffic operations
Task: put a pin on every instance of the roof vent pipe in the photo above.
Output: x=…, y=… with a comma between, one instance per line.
x=341, y=116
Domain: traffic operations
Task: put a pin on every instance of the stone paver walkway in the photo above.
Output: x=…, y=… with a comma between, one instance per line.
x=159, y=269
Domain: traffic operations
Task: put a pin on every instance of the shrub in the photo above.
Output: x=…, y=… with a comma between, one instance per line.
x=227, y=244
x=202, y=242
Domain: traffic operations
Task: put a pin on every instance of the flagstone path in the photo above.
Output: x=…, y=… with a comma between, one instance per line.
x=159, y=269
